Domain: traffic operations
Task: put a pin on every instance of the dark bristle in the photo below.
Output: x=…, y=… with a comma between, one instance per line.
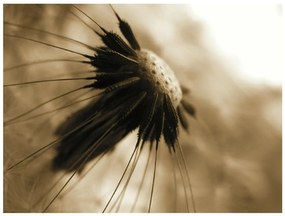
x=107, y=60
x=146, y=125
x=159, y=123
x=127, y=32
x=182, y=118
x=185, y=90
x=155, y=131
x=189, y=108
x=116, y=43
x=170, y=129
x=123, y=84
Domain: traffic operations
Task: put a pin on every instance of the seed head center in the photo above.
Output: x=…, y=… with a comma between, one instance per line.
x=160, y=75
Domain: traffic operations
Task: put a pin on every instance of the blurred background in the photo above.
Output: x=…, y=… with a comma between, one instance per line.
x=228, y=55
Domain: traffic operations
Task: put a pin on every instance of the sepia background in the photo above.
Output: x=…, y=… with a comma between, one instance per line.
x=230, y=56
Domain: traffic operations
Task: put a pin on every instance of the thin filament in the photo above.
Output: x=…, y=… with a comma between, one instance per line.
x=153, y=179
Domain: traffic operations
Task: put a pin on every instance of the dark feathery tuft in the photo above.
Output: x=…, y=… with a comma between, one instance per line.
x=135, y=93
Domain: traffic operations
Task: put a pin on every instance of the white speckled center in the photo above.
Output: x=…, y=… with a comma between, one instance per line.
x=160, y=75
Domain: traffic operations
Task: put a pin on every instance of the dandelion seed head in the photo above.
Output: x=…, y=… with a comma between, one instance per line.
x=160, y=75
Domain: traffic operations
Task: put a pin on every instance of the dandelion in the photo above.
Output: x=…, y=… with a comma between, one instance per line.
x=131, y=88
